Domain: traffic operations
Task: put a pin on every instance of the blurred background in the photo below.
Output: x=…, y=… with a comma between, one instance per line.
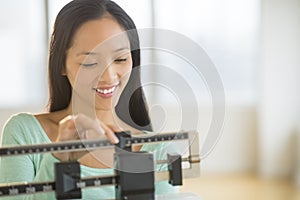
x=254, y=45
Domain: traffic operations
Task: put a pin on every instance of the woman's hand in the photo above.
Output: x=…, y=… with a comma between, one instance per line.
x=81, y=127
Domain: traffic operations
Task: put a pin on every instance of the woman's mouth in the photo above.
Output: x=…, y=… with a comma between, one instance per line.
x=106, y=92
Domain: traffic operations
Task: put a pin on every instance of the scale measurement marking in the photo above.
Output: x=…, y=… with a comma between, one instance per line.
x=32, y=188
x=26, y=188
x=89, y=144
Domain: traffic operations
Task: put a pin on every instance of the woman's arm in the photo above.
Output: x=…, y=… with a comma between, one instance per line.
x=15, y=168
x=25, y=168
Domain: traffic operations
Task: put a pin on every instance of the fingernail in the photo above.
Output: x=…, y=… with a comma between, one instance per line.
x=116, y=140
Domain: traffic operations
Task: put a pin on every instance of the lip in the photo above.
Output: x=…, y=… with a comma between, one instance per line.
x=106, y=91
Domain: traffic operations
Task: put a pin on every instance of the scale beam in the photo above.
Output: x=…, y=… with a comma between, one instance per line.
x=32, y=188
x=90, y=144
x=68, y=183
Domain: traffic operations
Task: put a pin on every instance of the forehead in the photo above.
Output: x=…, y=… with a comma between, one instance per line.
x=104, y=33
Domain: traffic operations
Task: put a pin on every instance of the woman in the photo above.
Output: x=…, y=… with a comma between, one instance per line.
x=86, y=66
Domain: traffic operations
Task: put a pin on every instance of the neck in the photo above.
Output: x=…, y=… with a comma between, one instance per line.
x=80, y=105
x=106, y=116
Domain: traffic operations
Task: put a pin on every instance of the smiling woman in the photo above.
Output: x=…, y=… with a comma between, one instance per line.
x=105, y=62
x=93, y=50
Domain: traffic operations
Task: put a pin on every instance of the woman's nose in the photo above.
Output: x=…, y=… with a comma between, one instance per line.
x=109, y=75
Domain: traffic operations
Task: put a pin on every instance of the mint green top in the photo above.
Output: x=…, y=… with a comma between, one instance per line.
x=24, y=129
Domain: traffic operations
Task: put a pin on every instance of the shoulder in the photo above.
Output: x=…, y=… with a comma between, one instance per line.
x=18, y=120
x=16, y=128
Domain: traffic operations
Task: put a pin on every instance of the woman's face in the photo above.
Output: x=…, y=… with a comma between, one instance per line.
x=99, y=62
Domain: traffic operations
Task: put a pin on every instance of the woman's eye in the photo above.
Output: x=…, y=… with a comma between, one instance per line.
x=89, y=64
x=121, y=60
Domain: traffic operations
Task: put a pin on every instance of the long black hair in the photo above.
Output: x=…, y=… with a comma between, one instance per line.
x=131, y=107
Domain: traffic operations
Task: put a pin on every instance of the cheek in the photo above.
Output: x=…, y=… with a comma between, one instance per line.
x=79, y=76
x=83, y=79
x=125, y=70
x=71, y=74
x=71, y=71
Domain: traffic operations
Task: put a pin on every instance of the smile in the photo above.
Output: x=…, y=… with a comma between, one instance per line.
x=106, y=92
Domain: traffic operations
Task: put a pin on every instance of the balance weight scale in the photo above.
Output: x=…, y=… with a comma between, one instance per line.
x=130, y=168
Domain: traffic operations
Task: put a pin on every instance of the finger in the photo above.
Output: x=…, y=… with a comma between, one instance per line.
x=67, y=122
x=115, y=128
x=66, y=119
x=110, y=134
x=84, y=122
x=66, y=129
x=92, y=134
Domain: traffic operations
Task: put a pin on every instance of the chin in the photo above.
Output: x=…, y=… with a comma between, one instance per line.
x=104, y=107
x=106, y=104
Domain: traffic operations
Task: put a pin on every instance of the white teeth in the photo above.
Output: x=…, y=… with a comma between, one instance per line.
x=106, y=91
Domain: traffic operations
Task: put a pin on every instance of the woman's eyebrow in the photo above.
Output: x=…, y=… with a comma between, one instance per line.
x=85, y=53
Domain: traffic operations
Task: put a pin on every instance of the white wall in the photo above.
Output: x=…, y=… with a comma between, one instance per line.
x=280, y=86
x=236, y=150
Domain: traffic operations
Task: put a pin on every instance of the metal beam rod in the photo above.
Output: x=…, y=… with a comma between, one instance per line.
x=32, y=188
x=78, y=145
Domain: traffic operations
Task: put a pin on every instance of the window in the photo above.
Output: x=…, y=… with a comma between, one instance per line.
x=229, y=33
x=23, y=53
x=24, y=41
